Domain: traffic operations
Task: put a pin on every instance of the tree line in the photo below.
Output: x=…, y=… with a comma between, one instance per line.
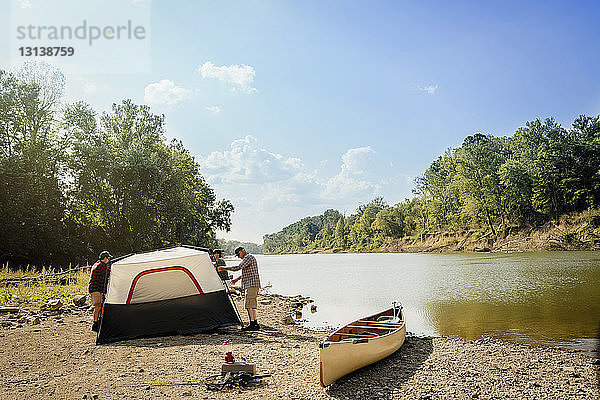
x=229, y=246
x=74, y=182
x=536, y=175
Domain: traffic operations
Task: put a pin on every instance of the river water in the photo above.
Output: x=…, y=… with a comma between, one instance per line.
x=544, y=297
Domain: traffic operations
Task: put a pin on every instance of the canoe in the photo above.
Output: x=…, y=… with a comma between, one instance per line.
x=361, y=343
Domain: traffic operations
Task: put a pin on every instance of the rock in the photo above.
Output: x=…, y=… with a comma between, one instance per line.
x=34, y=320
x=187, y=393
x=79, y=300
x=313, y=309
x=298, y=314
x=6, y=309
x=65, y=310
x=288, y=320
x=265, y=302
x=297, y=304
x=54, y=305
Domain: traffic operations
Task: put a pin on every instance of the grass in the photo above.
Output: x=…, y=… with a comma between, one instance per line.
x=33, y=295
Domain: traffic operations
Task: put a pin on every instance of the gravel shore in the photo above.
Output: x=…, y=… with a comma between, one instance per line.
x=57, y=359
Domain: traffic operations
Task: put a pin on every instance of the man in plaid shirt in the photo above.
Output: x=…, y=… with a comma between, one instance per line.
x=250, y=283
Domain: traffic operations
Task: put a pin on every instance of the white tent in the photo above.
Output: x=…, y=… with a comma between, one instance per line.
x=170, y=291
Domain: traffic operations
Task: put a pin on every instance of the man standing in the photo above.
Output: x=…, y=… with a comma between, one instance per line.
x=97, y=287
x=250, y=283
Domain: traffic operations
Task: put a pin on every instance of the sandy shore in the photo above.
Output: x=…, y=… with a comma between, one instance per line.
x=57, y=359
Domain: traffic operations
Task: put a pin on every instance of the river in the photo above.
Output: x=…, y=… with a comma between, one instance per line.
x=544, y=297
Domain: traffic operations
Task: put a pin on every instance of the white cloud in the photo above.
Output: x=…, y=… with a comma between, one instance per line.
x=79, y=82
x=240, y=77
x=271, y=190
x=165, y=92
x=25, y=4
x=213, y=109
x=431, y=89
x=89, y=87
x=246, y=162
x=353, y=178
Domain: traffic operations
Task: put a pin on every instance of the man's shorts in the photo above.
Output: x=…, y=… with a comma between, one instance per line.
x=251, y=293
x=96, y=298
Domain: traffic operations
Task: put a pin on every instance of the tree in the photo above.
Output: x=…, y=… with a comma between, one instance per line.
x=341, y=234
x=131, y=190
x=581, y=180
x=539, y=147
x=30, y=164
x=389, y=223
x=440, y=197
x=477, y=179
x=361, y=233
x=516, y=191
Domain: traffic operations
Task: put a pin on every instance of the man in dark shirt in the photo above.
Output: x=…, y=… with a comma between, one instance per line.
x=97, y=286
x=219, y=262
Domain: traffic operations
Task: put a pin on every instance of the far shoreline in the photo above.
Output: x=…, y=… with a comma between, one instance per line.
x=432, y=251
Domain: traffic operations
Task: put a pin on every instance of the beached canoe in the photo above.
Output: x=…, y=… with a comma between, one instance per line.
x=361, y=343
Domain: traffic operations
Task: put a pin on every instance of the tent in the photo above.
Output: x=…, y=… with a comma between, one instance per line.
x=169, y=291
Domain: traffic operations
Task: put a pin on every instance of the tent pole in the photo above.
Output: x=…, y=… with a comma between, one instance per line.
x=233, y=303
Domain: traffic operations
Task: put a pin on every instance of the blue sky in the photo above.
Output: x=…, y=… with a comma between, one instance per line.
x=293, y=107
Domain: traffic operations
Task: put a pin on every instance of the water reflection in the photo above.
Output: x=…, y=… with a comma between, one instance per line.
x=533, y=297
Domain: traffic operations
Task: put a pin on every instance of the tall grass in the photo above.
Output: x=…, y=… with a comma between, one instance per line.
x=33, y=295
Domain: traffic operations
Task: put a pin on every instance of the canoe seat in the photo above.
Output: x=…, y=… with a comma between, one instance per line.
x=389, y=328
x=373, y=335
x=368, y=321
x=388, y=318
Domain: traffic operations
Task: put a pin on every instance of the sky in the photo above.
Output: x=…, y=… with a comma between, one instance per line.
x=294, y=107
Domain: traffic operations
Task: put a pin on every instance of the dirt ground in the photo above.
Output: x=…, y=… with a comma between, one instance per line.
x=58, y=359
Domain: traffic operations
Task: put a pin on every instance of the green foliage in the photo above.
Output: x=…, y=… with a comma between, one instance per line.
x=477, y=179
x=306, y=234
x=487, y=184
x=439, y=192
x=36, y=294
x=30, y=162
x=229, y=246
x=75, y=183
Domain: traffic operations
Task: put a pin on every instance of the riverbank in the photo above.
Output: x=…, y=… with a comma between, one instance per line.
x=55, y=357
x=572, y=232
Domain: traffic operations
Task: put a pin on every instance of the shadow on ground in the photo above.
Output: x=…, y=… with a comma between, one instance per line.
x=381, y=380
x=267, y=334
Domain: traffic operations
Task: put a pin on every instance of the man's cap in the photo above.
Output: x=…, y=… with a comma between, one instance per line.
x=104, y=254
x=218, y=251
x=237, y=251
